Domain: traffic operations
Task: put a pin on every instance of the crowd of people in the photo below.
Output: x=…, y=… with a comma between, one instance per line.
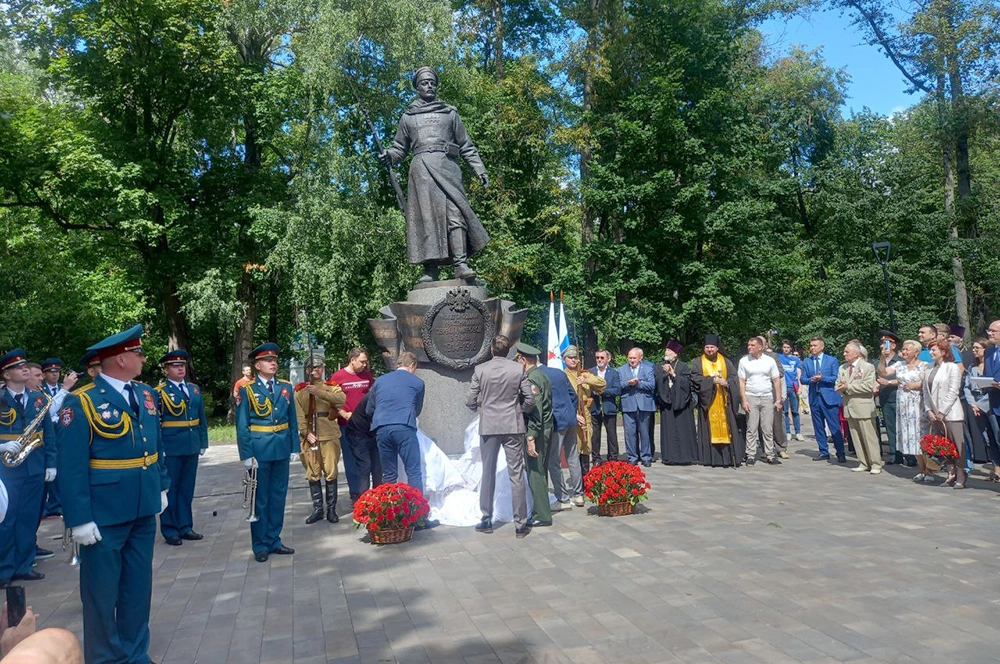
x=714, y=410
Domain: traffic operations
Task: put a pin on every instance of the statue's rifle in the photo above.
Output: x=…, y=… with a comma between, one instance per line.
x=393, y=180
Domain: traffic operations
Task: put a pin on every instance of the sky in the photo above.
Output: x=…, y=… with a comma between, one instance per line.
x=875, y=81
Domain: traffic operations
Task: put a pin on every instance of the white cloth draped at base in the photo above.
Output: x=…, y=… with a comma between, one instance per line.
x=451, y=486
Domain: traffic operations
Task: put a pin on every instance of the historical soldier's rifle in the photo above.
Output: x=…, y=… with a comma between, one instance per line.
x=393, y=180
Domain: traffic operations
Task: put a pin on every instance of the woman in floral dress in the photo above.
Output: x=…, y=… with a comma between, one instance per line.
x=911, y=420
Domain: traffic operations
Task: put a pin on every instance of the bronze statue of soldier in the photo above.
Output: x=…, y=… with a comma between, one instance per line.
x=441, y=227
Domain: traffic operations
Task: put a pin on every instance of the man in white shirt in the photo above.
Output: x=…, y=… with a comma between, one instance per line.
x=759, y=382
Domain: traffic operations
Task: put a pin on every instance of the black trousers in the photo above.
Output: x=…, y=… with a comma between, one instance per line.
x=610, y=424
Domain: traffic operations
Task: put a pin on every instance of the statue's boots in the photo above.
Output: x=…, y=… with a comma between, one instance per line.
x=584, y=464
x=331, y=501
x=430, y=273
x=316, y=492
x=456, y=240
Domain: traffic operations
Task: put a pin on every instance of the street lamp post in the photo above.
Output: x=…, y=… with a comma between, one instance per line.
x=881, y=251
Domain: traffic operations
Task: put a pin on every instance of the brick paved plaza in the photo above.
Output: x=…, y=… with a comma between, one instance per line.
x=806, y=562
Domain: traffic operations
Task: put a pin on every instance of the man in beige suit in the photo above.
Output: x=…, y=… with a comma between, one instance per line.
x=500, y=390
x=856, y=384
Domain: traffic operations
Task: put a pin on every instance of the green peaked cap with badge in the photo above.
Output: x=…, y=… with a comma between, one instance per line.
x=527, y=349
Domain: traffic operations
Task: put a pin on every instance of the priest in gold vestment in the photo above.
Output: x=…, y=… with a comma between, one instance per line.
x=720, y=442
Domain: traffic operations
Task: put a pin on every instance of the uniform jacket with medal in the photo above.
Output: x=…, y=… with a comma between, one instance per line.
x=13, y=420
x=110, y=462
x=266, y=427
x=183, y=425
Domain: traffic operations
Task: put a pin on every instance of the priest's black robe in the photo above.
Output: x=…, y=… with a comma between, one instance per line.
x=678, y=442
x=705, y=388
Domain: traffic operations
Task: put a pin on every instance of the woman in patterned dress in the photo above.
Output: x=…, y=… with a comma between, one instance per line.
x=911, y=420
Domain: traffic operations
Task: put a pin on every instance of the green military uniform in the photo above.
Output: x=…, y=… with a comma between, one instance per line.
x=539, y=427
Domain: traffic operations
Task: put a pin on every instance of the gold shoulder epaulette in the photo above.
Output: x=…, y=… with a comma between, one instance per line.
x=80, y=390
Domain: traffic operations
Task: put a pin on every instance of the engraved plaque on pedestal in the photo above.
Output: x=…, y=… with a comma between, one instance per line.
x=457, y=330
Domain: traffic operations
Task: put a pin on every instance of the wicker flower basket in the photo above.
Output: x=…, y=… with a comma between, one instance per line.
x=616, y=509
x=391, y=536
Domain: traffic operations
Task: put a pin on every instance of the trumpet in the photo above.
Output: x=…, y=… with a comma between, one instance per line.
x=250, y=493
x=30, y=439
x=69, y=543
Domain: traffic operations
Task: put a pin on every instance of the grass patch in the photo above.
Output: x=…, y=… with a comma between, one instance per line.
x=221, y=433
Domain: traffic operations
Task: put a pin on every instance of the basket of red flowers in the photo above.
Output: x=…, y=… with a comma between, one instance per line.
x=616, y=487
x=941, y=447
x=390, y=511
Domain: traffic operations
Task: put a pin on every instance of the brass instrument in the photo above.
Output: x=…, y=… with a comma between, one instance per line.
x=69, y=543
x=29, y=440
x=250, y=492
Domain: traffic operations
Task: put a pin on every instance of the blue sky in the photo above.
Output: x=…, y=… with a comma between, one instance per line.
x=875, y=82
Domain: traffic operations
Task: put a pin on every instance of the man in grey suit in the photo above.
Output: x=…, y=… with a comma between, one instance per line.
x=500, y=390
x=638, y=406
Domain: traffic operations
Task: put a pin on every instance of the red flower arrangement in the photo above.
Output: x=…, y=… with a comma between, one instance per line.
x=938, y=446
x=615, y=482
x=390, y=507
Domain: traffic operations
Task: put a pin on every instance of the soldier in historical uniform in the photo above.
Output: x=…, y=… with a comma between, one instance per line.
x=317, y=404
x=267, y=433
x=586, y=385
x=20, y=408
x=184, y=429
x=539, y=431
x=113, y=483
x=441, y=227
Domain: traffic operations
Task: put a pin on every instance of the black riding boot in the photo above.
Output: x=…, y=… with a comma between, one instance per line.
x=316, y=491
x=456, y=240
x=584, y=464
x=331, y=501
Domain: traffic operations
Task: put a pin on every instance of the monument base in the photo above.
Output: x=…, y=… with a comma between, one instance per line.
x=448, y=325
x=445, y=415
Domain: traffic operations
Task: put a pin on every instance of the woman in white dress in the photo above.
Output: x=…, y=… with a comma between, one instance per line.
x=911, y=418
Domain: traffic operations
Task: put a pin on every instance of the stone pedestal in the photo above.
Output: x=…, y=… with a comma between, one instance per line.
x=448, y=325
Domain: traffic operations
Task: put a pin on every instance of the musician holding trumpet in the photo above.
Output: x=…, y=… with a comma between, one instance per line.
x=267, y=434
x=317, y=404
x=27, y=461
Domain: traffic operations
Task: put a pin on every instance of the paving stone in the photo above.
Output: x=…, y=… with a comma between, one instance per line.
x=804, y=562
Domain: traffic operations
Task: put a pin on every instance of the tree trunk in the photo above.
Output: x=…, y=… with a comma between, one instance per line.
x=498, y=39
x=587, y=216
x=272, y=308
x=243, y=341
x=948, y=165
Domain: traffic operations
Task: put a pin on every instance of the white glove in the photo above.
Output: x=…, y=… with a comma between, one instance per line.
x=10, y=446
x=202, y=452
x=294, y=457
x=50, y=474
x=163, y=501
x=250, y=463
x=86, y=534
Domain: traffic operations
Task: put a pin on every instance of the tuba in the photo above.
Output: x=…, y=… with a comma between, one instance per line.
x=29, y=440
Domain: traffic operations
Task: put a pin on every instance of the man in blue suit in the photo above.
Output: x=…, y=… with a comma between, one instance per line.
x=184, y=429
x=992, y=368
x=25, y=483
x=638, y=406
x=394, y=403
x=819, y=372
x=113, y=483
x=604, y=409
x=267, y=433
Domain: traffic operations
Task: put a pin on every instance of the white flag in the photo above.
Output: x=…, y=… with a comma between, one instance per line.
x=553, y=356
